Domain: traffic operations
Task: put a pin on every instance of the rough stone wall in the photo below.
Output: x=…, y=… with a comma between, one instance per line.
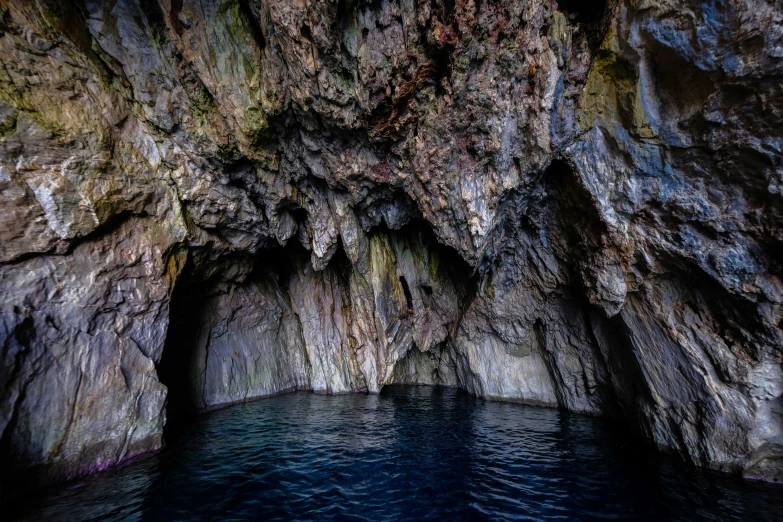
x=80, y=344
x=574, y=204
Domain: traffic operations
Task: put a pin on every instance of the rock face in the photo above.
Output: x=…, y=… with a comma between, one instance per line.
x=572, y=204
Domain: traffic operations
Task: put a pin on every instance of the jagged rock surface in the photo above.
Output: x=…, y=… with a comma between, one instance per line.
x=574, y=205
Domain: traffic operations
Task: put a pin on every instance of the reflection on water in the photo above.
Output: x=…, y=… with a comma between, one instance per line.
x=408, y=454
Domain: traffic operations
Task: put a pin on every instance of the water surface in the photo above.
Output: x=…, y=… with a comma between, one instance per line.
x=411, y=453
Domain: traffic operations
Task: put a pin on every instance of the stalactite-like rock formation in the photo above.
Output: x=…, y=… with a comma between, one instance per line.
x=572, y=204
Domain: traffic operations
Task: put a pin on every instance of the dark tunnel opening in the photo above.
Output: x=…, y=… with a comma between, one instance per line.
x=174, y=368
x=189, y=313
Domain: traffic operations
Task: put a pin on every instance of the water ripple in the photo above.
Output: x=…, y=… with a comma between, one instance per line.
x=409, y=454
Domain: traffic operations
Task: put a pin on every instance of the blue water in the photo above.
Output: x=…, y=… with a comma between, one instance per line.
x=411, y=453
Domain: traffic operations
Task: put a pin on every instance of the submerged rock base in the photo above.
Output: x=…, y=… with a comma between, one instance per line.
x=571, y=204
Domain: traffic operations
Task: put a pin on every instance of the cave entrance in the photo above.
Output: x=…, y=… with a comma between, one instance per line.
x=195, y=311
x=185, y=313
x=198, y=306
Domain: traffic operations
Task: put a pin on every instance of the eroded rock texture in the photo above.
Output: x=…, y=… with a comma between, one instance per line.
x=573, y=204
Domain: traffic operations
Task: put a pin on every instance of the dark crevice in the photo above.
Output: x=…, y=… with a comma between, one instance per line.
x=22, y=335
x=255, y=28
x=629, y=385
x=579, y=219
x=345, y=12
x=584, y=11
x=280, y=262
x=408, y=298
x=441, y=60
x=185, y=311
x=16, y=475
x=343, y=268
x=306, y=33
x=592, y=15
x=451, y=265
x=6, y=22
x=155, y=19
x=681, y=83
x=548, y=356
x=176, y=8
x=774, y=248
x=69, y=19
x=440, y=49
x=340, y=12
x=626, y=371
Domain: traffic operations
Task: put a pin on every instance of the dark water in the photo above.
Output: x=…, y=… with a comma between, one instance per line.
x=408, y=454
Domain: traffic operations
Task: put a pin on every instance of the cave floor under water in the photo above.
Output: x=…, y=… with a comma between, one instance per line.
x=411, y=453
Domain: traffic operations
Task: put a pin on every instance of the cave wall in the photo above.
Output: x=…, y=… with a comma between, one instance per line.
x=80, y=343
x=574, y=205
x=346, y=328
